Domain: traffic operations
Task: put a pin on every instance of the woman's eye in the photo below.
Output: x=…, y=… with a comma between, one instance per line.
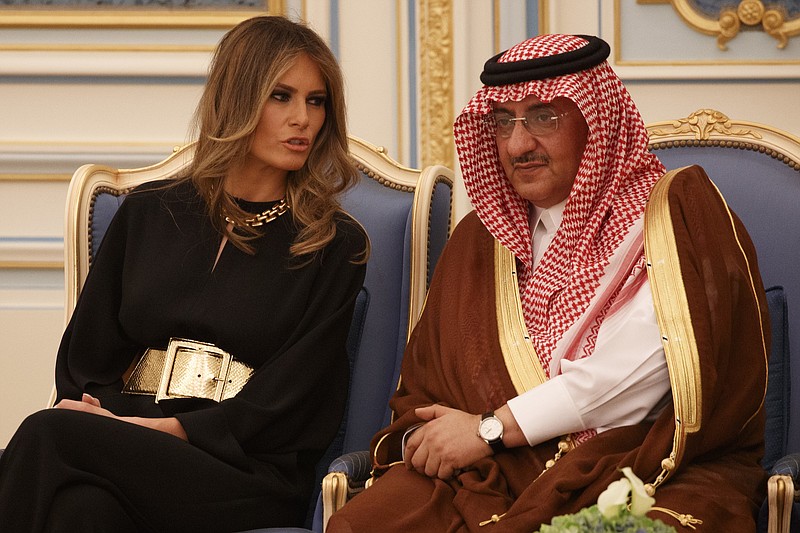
x=281, y=97
x=317, y=101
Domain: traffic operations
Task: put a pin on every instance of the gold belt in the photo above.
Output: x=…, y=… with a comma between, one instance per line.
x=188, y=369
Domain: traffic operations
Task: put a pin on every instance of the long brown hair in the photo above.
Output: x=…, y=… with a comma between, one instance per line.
x=247, y=64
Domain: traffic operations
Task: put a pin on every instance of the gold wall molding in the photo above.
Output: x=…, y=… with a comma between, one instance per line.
x=733, y=18
x=436, y=83
x=23, y=176
x=123, y=18
x=544, y=17
x=133, y=18
x=401, y=62
x=106, y=48
x=119, y=19
x=496, y=16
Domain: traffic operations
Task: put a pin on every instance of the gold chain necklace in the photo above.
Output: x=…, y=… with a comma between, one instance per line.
x=265, y=217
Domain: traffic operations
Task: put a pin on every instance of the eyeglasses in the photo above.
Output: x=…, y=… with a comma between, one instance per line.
x=538, y=121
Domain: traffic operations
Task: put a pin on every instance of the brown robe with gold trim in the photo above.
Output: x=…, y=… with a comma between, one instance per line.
x=454, y=358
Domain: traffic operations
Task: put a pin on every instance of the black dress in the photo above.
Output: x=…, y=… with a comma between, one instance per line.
x=249, y=461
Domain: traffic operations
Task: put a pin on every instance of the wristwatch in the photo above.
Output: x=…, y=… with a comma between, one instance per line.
x=490, y=430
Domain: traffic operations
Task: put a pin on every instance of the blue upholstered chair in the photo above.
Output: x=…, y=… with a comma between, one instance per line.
x=757, y=169
x=407, y=215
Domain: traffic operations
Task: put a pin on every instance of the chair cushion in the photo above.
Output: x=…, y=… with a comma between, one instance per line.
x=385, y=214
x=336, y=447
x=776, y=405
x=103, y=210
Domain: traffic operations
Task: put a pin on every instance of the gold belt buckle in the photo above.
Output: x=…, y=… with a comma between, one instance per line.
x=185, y=345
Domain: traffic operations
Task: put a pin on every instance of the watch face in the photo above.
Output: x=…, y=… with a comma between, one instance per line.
x=491, y=428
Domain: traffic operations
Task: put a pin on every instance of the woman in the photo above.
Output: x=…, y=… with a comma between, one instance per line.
x=249, y=252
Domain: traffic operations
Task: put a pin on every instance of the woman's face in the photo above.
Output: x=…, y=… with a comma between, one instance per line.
x=290, y=121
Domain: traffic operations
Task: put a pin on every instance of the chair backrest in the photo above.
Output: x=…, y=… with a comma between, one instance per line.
x=407, y=214
x=757, y=169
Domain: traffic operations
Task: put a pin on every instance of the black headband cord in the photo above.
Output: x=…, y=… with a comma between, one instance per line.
x=593, y=53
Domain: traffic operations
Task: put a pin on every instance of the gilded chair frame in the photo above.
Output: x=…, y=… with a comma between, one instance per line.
x=709, y=127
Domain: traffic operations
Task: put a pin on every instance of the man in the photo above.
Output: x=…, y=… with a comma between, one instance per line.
x=592, y=313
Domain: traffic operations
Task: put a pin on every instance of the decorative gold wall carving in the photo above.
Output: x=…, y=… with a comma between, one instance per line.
x=731, y=19
x=436, y=83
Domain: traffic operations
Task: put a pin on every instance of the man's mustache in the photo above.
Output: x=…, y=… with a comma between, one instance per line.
x=530, y=157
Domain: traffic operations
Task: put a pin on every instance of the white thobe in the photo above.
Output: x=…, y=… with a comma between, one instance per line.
x=623, y=382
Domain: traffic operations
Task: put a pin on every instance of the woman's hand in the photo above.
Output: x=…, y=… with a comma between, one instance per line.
x=90, y=404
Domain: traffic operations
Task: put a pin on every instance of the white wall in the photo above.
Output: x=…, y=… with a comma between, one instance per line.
x=62, y=104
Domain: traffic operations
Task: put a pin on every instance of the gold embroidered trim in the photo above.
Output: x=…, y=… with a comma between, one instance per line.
x=564, y=445
x=686, y=520
x=375, y=460
x=375, y=450
x=493, y=520
x=393, y=463
x=674, y=319
x=522, y=363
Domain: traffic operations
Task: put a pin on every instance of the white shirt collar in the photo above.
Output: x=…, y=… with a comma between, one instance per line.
x=550, y=217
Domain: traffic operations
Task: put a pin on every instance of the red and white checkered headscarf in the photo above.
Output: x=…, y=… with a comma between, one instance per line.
x=596, y=257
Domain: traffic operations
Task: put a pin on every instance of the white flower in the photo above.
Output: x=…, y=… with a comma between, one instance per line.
x=615, y=497
x=641, y=502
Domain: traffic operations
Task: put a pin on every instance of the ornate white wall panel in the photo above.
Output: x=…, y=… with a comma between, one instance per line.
x=99, y=111
x=573, y=16
x=31, y=320
x=31, y=210
x=317, y=15
x=368, y=51
x=473, y=43
x=651, y=40
x=511, y=22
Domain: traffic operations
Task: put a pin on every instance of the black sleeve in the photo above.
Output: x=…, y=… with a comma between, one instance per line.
x=295, y=401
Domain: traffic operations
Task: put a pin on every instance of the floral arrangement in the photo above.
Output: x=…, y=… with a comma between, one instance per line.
x=621, y=508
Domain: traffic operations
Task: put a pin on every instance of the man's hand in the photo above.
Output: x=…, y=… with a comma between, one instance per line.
x=447, y=442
